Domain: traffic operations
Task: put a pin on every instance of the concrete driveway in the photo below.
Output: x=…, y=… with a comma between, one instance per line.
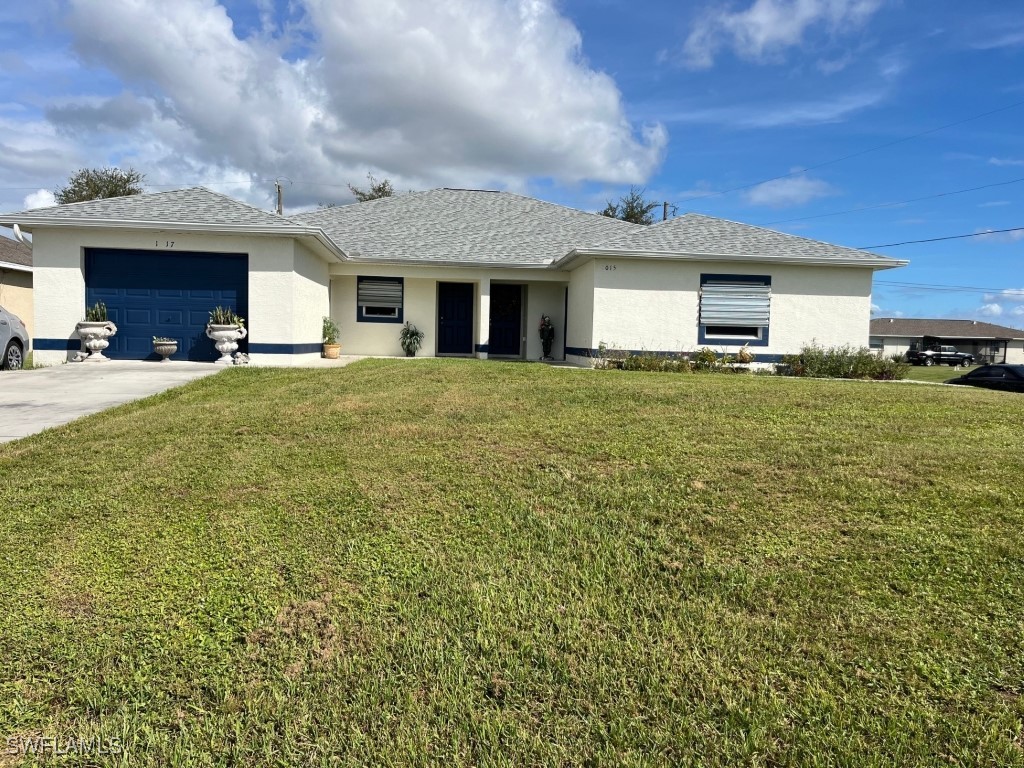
x=31, y=401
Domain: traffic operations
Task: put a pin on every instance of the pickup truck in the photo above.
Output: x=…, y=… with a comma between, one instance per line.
x=939, y=355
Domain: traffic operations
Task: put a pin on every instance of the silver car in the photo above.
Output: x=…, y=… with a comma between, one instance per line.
x=13, y=340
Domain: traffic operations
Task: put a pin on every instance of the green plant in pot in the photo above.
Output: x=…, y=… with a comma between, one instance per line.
x=226, y=329
x=95, y=332
x=330, y=333
x=411, y=338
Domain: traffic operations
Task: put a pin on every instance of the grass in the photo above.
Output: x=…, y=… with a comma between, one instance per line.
x=463, y=563
x=935, y=373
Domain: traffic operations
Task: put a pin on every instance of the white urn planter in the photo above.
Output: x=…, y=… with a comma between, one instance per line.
x=95, y=337
x=225, y=339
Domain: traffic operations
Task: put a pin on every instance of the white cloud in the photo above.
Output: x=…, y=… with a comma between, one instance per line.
x=776, y=115
x=792, y=190
x=1018, y=311
x=767, y=28
x=1010, y=295
x=1005, y=161
x=466, y=93
x=990, y=310
x=42, y=198
x=1000, y=237
x=994, y=204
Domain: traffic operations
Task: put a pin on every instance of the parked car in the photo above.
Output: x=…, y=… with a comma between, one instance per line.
x=939, y=355
x=13, y=340
x=1009, y=378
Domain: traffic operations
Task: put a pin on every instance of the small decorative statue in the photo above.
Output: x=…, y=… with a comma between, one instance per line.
x=547, y=335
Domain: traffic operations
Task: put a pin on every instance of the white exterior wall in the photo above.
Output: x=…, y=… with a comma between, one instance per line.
x=654, y=305
x=544, y=299
x=286, y=301
x=898, y=345
x=544, y=293
x=580, y=323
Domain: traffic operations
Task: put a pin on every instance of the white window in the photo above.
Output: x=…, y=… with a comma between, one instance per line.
x=735, y=309
x=379, y=299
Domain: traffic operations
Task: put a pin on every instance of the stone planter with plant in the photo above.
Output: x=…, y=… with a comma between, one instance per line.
x=411, y=338
x=165, y=347
x=226, y=329
x=95, y=332
x=330, y=333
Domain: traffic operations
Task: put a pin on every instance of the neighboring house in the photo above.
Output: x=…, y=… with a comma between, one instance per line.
x=475, y=270
x=16, y=280
x=987, y=342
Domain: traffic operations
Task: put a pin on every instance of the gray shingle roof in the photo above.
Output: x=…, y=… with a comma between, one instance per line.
x=462, y=226
x=943, y=329
x=14, y=252
x=700, y=234
x=197, y=205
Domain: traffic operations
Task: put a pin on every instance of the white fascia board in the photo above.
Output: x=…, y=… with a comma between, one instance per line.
x=450, y=263
x=28, y=223
x=584, y=254
x=14, y=267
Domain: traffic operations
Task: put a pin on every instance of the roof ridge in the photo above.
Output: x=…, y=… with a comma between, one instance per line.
x=564, y=207
x=116, y=197
x=237, y=202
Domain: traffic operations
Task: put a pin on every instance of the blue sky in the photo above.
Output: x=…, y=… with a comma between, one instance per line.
x=570, y=101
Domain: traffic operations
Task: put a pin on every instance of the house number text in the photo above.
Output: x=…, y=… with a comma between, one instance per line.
x=166, y=244
x=609, y=267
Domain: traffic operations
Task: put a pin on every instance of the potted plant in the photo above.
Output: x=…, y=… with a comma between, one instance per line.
x=411, y=338
x=226, y=329
x=95, y=331
x=330, y=333
x=165, y=347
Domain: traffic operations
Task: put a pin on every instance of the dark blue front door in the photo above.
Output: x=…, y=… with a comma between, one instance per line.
x=159, y=293
x=506, y=323
x=454, y=318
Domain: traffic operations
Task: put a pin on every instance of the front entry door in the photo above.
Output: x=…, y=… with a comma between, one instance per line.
x=454, y=318
x=506, y=328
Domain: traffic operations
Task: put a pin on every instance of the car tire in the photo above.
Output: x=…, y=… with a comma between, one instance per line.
x=929, y=361
x=14, y=357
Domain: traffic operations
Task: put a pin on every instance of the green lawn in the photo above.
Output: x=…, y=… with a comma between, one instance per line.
x=465, y=563
x=935, y=373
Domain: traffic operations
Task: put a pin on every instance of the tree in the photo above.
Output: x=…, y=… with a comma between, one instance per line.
x=378, y=189
x=98, y=183
x=632, y=207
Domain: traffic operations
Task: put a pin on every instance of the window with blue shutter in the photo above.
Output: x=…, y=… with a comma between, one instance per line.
x=735, y=309
x=379, y=299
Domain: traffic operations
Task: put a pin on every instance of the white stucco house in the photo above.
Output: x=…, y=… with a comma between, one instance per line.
x=988, y=342
x=475, y=270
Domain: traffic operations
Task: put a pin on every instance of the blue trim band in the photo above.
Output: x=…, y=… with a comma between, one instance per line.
x=482, y=348
x=596, y=353
x=57, y=345
x=285, y=349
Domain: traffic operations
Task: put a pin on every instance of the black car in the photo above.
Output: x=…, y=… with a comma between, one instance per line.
x=1009, y=378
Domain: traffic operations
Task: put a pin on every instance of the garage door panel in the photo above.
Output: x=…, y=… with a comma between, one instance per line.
x=154, y=293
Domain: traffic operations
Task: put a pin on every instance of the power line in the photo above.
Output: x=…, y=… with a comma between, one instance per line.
x=852, y=155
x=936, y=239
x=950, y=288
x=900, y=202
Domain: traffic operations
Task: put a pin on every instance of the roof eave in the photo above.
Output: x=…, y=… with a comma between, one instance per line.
x=12, y=267
x=28, y=223
x=583, y=254
x=448, y=263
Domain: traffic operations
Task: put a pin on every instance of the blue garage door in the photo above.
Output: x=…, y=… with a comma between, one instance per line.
x=155, y=293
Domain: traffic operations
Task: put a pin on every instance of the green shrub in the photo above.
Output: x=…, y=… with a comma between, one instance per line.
x=844, y=362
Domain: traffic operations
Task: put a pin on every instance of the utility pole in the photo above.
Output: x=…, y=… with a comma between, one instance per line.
x=280, y=198
x=664, y=211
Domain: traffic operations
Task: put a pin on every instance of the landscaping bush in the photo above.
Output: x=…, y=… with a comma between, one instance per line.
x=844, y=362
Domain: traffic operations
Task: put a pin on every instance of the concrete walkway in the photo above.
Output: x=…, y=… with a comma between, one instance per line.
x=31, y=401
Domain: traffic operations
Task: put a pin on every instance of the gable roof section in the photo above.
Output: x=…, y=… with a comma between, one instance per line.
x=197, y=205
x=186, y=210
x=461, y=226
x=13, y=252
x=695, y=234
x=943, y=329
